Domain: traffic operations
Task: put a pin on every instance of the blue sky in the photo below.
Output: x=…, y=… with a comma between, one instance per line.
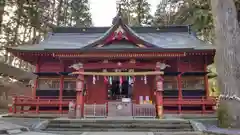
x=103, y=11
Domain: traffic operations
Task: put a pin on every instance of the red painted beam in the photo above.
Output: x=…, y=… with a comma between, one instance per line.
x=119, y=66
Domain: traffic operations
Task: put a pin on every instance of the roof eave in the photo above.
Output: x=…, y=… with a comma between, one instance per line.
x=117, y=50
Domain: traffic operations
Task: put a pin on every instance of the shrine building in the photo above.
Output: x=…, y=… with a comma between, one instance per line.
x=119, y=71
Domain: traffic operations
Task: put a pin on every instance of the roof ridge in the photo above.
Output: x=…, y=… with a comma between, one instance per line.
x=137, y=29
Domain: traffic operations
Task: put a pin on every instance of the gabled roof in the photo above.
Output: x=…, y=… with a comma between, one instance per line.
x=98, y=38
x=120, y=31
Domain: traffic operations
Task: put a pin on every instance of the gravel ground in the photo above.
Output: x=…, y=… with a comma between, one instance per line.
x=224, y=131
x=3, y=111
x=27, y=122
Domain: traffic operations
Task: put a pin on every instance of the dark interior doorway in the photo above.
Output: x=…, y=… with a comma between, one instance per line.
x=118, y=91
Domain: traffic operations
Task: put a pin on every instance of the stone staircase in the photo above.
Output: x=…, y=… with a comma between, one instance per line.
x=166, y=127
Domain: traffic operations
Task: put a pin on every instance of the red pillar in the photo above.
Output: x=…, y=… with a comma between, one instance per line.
x=36, y=81
x=206, y=78
x=159, y=92
x=179, y=79
x=205, y=84
x=179, y=84
x=61, y=92
x=79, y=93
x=159, y=96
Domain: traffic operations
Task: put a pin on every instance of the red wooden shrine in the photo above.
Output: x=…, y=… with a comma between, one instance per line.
x=174, y=50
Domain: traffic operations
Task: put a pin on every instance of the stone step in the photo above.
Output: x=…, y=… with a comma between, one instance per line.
x=125, y=133
x=117, y=130
x=119, y=121
x=97, y=125
x=63, y=132
x=178, y=133
x=117, y=125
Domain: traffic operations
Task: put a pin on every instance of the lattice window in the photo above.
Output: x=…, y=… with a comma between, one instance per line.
x=49, y=84
x=170, y=83
x=192, y=83
x=69, y=84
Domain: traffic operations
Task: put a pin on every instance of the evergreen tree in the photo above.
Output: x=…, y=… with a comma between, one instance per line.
x=141, y=12
x=160, y=14
x=2, y=6
x=80, y=13
x=137, y=12
x=125, y=11
x=187, y=12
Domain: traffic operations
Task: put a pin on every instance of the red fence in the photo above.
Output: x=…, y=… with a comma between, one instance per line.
x=100, y=110
x=23, y=101
x=144, y=111
x=207, y=105
x=95, y=110
x=189, y=101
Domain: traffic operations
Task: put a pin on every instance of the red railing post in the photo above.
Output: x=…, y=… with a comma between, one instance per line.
x=106, y=109
x=10, y=110
x=179, y=81
x=14, y=104
x=37, y=106
x=61, y=93
x=22, y=106
x=203, y=105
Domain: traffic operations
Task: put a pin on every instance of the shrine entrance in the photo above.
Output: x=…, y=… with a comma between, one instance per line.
x=120, y=87
x=119, y=95
x=118, y=90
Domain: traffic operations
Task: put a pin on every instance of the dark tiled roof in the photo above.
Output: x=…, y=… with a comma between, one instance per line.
x=158, y=38
x=174, y=40
x=136, y=29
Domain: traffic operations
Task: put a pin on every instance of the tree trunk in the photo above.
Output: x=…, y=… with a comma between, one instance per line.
x=59, y=16
x=227, y=53
x=53, y=12
x=2, y=5
x=19, y=15
x=66, y=16
x=139, y=12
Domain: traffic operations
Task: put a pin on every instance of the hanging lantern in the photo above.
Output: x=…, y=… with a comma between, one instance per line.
x=159, y=85
x=79, y=86
x=145, y=79
x=94, y=80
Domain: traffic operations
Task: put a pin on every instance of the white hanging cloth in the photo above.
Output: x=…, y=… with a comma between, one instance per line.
x=94, y=80
x=110, y=80
x=129, y=80
x=145, y=79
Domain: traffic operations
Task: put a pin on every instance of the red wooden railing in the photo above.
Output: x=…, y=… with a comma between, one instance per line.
x=144, y=111
x=189, y=101
x=192, y=101
x=24, y=101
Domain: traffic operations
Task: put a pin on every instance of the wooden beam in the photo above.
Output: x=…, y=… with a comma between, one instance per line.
x=119, y=73
x=119, y=66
